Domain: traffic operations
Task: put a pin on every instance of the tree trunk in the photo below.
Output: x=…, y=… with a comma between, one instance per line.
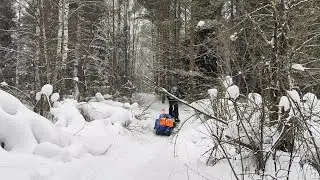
x=77, y=57
x=65, y=43
x=37, y=83
x=59, y=42
x=44, y=39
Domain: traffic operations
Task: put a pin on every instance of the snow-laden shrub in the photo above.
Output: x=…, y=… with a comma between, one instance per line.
x=67, y=115
x=21, y=129
x=103, y=111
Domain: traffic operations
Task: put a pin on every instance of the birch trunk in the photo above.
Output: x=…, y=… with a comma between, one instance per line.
x=76, y=61
x=65, y=40
x=37, y=58
x=45, y=42
x=65, y=33
x=59, y=42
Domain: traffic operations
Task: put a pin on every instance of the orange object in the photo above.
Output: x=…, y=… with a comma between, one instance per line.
x=166, y=122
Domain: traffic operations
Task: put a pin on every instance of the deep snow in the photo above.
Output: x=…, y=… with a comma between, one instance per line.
x=101, y=149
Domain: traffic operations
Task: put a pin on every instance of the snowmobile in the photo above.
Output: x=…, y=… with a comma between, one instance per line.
x=164, y=125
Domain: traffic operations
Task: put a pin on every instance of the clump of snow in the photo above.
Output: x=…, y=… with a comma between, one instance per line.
x=233, y=92
x=291, y=100
x=285, y=103
x=213, y=93
x=200, y=24
x=103, y=111
x=38, y=96
x=126, y=105
x=298, y=67
x=311, y=103
x=54, y=97
x=107, y=96
x=47, y=89
x=294, y=95
x=99, y=97
x=68, y=116
x=234, y=36
x=4, y=83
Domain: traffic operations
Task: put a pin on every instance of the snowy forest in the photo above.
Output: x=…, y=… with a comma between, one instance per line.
x=82, y=83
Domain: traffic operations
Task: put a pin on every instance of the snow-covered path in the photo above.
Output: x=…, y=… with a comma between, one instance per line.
x=143, y=157
x=132, y=155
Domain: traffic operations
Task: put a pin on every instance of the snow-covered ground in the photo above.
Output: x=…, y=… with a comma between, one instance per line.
x=118, y=143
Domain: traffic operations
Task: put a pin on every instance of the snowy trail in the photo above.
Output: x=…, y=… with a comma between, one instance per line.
x=144, y=157
x=132, y=156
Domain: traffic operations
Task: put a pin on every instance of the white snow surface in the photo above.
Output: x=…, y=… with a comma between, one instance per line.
x=74, y=149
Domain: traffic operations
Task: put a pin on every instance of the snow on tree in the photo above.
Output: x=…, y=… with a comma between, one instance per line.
x=285, y=103
x=21, y=129
x=200, y=24
x=213, y=93
x=47, y=89
x=233, y=92
x=4, y=83
x=298, y=67
x=38, y=96
x=54, y=97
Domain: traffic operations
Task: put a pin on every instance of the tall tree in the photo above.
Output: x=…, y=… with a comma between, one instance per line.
x=7, y=45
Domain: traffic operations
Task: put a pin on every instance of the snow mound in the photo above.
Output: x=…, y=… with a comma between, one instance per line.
x=48, y=150
x=103, y=111
x=9, y=103
x=99, y=97
x=21, y=129
x=68, y=116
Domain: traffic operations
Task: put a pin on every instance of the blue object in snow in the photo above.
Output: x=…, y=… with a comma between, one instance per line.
x=164, y=128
